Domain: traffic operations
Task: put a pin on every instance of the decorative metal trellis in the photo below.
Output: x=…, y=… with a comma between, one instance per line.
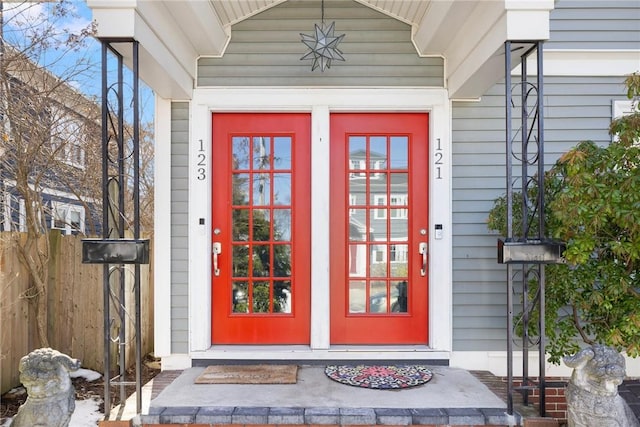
x=121, y=214
x=526, y=250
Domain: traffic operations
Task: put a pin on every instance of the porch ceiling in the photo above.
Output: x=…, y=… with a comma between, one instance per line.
x=468, y=34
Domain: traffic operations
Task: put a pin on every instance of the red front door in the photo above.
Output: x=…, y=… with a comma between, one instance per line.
x=379, y=214
x=261, y=230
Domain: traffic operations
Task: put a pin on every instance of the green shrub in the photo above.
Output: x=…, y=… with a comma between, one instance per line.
x=593, y=205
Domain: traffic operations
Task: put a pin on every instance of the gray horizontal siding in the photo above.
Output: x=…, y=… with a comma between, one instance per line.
x=595, y=24
x=575, y=109
x=179, y=235
x=265, y=50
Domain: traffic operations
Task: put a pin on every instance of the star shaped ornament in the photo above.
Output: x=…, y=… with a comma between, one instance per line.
x=323, y=46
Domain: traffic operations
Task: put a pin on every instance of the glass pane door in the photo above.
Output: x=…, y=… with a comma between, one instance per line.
x=379, y=220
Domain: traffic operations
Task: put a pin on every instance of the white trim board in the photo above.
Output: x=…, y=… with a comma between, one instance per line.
x=320, y=102
x=496, y=363
x=578, y=63
x=162, y=228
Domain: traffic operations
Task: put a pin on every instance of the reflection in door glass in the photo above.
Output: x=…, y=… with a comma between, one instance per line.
x=281, y=188
x=282, y=224
x=240, y=227
x=399, y=297
x=357, y=225
x=282, y=297
x=282, y=152
x=378, y=152
x=357, y=296
x=240, y=295
x=261, y=189
x=261, y=224
x=378, y=212
x=399, y=152
x=240, y=191
x=378, y=297
x=240, y=258
x=261, y=152
x=357, y=260
x=240, y=152
x=282, y=260
x=261, y=299
x=261, y=260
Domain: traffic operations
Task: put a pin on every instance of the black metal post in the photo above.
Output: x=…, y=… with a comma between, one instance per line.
x=122, y=337
x=525, y=250
x=110, y=252
x=541, y=230
x=509, y=165
x=106, y=297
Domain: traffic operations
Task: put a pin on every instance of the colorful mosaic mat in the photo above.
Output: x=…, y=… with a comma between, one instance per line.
x=379, y=377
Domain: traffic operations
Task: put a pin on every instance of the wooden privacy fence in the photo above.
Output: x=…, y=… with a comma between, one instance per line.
x=74, y=308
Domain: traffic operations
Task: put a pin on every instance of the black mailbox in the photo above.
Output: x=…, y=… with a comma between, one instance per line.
x=530, y=251
x=115, y=251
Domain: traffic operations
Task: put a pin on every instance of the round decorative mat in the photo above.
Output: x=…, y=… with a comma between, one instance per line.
x=379, y=377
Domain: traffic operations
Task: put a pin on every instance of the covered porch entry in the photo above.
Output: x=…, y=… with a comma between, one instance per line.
x=183, y=57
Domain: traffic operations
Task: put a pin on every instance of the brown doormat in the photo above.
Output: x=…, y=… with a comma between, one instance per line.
x=249, y=374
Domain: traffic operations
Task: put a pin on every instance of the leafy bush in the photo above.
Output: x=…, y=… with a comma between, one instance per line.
x=593, y=205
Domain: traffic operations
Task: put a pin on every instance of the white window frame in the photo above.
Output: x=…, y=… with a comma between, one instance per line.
x=620, y=108
x=401, y=199
x=400, y=255
x=353, y=200
x=68, y=208
x=6, y=211
x=380, y=213
x=22, y=215
x=69, y=132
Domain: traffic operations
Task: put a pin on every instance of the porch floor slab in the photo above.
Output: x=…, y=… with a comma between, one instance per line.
x=453, y=396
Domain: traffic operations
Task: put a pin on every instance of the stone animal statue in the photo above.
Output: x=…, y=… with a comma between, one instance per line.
x=592, y=393
x=50, y=394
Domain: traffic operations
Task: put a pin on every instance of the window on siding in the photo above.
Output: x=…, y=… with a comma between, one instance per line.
x=68, y=142
x=6, y=211
x=68, y=218
x=622, y=108
x=22, y=215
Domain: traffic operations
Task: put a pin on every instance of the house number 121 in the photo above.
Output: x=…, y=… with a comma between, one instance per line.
x=438, y=159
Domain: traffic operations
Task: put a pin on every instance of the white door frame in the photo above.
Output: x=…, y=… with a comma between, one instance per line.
x=320, y=103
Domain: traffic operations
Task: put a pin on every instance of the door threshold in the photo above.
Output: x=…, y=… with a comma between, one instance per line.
x=305, y=355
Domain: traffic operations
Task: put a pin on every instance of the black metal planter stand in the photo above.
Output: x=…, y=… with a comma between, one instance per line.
x=120, y=200
x=527, y=250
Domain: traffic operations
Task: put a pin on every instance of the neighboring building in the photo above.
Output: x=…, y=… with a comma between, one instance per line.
x=60, y=132
x=318, y=193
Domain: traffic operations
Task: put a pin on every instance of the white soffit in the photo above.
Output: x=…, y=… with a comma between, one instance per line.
x=232, y=11
x=467, y=33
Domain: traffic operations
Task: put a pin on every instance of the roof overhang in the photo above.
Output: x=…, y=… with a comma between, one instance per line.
x=470, y=35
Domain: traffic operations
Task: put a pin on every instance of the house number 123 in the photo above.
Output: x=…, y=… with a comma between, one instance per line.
x=201, y=164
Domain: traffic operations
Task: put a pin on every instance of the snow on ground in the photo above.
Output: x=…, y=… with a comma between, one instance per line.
x=86, y=413
x=87, y=374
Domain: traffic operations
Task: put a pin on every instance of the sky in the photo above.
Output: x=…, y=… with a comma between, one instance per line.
x=34, y=18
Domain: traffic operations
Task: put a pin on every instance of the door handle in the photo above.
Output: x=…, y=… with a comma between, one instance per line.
x=217, y=249
x=423, y=250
